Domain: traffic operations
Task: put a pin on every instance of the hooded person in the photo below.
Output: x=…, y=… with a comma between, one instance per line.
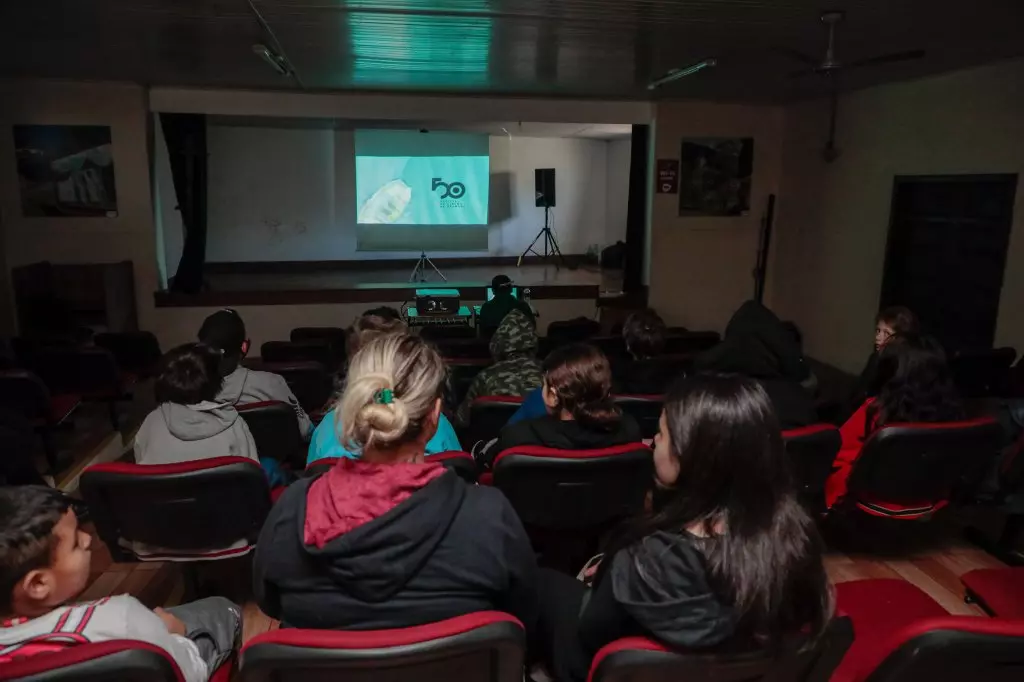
x=758, y=345
x=516, y=370
x=392, y=540
x=225, y=331
x=189, y=423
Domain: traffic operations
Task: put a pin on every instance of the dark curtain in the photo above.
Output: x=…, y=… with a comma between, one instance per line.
x=636, y=211
x=185, y=135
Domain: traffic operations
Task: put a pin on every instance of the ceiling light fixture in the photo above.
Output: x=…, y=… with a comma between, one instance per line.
x=676, y=74
x=276, y=61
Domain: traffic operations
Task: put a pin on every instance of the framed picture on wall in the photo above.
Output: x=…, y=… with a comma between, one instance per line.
x=715, y=176
x=65, y=170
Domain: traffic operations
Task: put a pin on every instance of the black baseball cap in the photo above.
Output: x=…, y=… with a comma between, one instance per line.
x=224, y=330
x=500, y=281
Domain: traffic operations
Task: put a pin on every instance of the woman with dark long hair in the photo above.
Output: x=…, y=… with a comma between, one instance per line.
x=581, y=414
x=726, y=558
x=912, y=383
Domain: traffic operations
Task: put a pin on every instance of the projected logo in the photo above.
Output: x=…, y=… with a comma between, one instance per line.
x=451, y=192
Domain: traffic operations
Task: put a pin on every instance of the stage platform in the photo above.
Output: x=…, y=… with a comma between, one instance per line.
x=241, y=284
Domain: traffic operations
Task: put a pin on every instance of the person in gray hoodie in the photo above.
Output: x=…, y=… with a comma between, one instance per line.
x=190, y=423
x=225, y=331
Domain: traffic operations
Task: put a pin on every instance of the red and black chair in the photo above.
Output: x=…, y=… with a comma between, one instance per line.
x=91, y=373
x=488, y=646
x=311, y=383
x=812, y=450
x=23, y=393
x=205, y=510
x=462, y=463
x=910, y=471
x=313, y=350
x=999, y=591
x=488, y=414
x=905, y=636
x=124, y=660
x=639, y=658
x=645, y=409
x=461, y=373
x=137, y=354
x=564, y=332
x=275, y=429
x=335, y=337
x=567, y=499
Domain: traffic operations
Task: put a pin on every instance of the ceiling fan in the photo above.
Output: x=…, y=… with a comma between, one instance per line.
x=830, y=67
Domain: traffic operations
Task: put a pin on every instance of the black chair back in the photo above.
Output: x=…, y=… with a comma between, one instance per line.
x=812, y=450
x=639, y=658
x=564, y=332
x=574, y=490
x=614, y=347
x=335, y=337
x=89, y=372
x=488, y=415
x=916, y=464
x=193, y=506
x=316, y=350
x=275, y=430
x=483, y=647
x=24, y=393
x=118, y=659
x=982, y=373
x=691, y=342
x=645, y=409
x=311, y=383
x=461, y=373
x=438, y=332
x=135, y=353
x=463, y=349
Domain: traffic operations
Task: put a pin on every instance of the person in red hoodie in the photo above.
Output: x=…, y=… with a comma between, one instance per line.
x=912, y=384
x=392, y=540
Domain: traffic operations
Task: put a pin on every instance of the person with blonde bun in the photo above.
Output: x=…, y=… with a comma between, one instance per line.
x=391, y=539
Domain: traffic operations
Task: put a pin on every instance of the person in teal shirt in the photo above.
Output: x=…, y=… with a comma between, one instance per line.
x=325, y=442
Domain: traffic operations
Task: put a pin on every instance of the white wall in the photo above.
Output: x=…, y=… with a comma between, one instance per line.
x=617, y=187
x=278, y=194
x=833, y=219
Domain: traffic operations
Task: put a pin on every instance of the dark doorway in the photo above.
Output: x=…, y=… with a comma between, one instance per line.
x=946, y=253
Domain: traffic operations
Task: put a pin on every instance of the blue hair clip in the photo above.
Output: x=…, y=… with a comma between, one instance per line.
x=384, y=396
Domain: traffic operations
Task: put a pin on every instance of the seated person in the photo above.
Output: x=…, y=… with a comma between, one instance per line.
x=758, y=345
x=891, y=322
x=913, y=384
x=726, y=557
x=189, y=423
x=492, y=312
x=581, y=414
x=641, y=373
x=225, y=331
x=326, y=442
x=392, y=540
x=516, y=370
x=44, y=565
x=385, y=311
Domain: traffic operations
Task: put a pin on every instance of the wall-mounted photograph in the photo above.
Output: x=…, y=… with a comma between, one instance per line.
x=65, y=170
x=715, y=176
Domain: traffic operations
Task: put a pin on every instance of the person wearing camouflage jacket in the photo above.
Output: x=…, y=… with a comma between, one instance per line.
x=516, y=370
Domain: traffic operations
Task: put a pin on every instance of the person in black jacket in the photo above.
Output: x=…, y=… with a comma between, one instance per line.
x=726, y=560
x=581, y=413
x=390, y=540
x=643, y=372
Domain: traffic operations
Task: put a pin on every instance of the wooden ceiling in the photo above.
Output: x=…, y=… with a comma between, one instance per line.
x=597, y=48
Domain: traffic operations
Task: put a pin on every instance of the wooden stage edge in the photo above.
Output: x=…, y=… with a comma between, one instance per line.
x=319, y=282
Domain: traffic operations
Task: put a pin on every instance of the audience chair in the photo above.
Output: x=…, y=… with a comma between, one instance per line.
x=645, y=409
x=639, y=658
x=567, y=499
x=564, y=332
x=438, y=332
x=905, y=636
x=335, y=337
x=463, y=349
x=299, y=351
x=461, y=373
x=137, y=354
x=982, y=373
x=614, y=347
x=91, y=373
x=22, y=392
x=688, y=342
x=311, y=383
x=275, y=429
x=910, y=471
x=462, y=463
x=206, y=510
x=123, y=660
x=812, y=451
x=488, y=414
x=483, y=647
x=999, y=591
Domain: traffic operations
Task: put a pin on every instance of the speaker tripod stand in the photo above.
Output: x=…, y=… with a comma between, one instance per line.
x=550, y=243
x=420, y=271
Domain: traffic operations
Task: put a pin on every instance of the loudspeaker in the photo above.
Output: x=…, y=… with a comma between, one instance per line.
x=544, y=183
